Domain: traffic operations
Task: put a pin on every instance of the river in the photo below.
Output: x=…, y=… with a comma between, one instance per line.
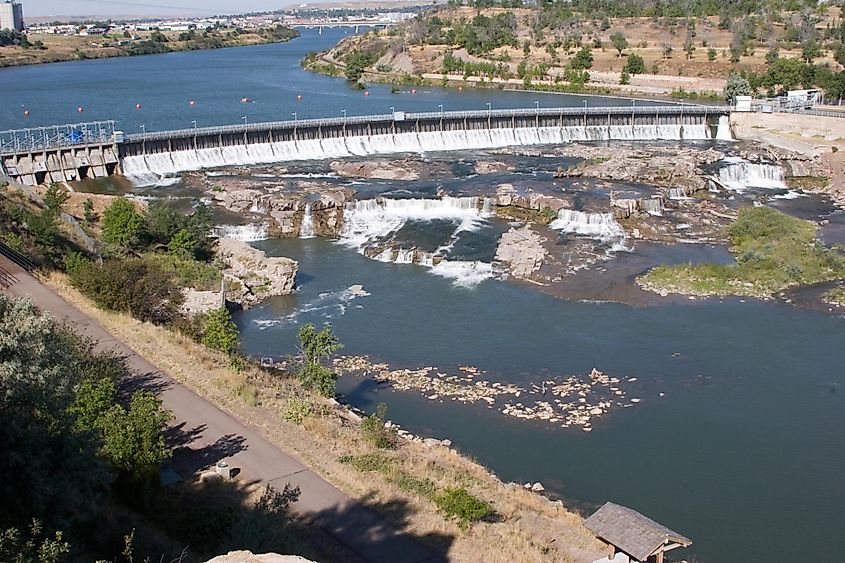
x=737, y=439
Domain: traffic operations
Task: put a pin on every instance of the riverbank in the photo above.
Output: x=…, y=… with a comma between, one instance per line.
x=61, y=48
x=528, y=527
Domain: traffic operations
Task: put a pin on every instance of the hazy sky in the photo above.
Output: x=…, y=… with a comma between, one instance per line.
x=163, y=7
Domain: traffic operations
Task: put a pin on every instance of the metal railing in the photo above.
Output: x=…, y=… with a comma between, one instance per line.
x=452, y=115
x=17, y=257
x=17, y=141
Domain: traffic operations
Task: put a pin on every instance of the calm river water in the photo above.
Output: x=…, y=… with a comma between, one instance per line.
x=744, y=452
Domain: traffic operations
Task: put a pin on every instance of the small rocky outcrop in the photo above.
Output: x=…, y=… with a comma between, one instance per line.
x=405, y=169
x=657, y=166
x=522, y=251
x=507, y=195
x=250, y=557
x=251, y=276
x=491, y=167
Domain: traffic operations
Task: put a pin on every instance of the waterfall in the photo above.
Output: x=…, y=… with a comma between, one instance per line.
x=487, y=207
x=245, y=233
x=723, y=131
x=601, y=226
x=677, y=193
x=369, y=224
x=740, y=174
x=149, y=169
x=306, y=229
x=653, y=206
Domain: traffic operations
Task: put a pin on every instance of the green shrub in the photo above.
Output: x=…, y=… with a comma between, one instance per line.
x=219, y=332
x=459, y=504
x=298, y=410
x=188, y=271
x=132, y=286
x=374, y=431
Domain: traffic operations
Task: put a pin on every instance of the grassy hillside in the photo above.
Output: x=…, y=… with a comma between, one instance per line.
x=685, y=46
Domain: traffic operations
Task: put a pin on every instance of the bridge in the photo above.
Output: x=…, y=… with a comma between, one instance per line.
x=319, y=25
x=73, y=152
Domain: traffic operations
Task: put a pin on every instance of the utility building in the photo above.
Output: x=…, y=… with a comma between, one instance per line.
x=11, y=15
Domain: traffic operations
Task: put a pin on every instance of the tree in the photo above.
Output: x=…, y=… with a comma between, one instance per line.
x=810, y=50
x=133, y=438
x=735, y=86
x=88, y=210
x=182, y=244
x=219, y=332
x=689, y=46
x=666, y=52
x=583, y=59
x=619, y=42
x=711, y=54
x=634, y=64
x=316, y=347
x=122, y=224
x=36, y=548
x=625, y=77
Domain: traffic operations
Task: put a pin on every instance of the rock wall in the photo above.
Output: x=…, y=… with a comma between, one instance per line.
x=251, y=276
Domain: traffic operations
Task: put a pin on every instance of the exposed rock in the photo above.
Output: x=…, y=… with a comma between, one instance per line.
x=251, y=275
x=377, y=170
x=197, y=302
x=522, y=250
x=538, y=487
x=507, y=195
x=491, y=167
x=249, y=557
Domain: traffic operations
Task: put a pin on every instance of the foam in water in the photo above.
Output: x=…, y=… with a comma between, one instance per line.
x=306, y=229
x=740, y=175
x=600, y=226
x=464, y=273
x=367, y=221
x=149, y=169
x=245, y=233
x=653, y=206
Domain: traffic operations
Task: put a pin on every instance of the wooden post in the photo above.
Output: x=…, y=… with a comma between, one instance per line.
x=659, y=557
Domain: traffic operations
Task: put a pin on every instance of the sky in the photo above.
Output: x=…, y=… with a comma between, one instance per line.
x=36, y=8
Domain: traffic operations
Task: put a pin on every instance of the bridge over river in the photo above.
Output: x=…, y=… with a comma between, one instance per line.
x=76, y=151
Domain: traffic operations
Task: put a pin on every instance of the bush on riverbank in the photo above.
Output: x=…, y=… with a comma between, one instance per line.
x=773, y=251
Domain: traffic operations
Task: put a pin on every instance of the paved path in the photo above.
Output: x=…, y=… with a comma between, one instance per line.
x=205, y=435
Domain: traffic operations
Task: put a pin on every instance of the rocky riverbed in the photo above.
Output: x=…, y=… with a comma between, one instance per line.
x=565, y=401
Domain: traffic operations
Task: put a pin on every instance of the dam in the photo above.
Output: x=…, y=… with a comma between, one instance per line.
x=74, y=152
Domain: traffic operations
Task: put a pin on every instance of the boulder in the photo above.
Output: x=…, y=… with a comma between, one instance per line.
x=251, y=275
x=249, y=557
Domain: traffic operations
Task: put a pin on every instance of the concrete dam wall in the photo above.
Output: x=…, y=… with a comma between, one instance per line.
x=148, y=158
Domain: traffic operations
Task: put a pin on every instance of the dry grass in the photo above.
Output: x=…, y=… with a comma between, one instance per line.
x=529, y=527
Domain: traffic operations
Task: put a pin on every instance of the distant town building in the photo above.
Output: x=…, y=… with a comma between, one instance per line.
x=11, y=15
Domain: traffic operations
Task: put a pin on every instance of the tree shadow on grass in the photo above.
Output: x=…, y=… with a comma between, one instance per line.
x=378, y=531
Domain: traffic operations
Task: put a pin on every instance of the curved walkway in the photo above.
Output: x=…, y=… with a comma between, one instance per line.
x=207, y=435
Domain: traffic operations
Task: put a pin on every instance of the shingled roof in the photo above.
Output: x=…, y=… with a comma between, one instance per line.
x=630, y=531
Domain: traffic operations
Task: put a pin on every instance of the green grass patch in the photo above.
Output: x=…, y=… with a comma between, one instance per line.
x=413, y=484
x=377, y=462
x=187, y=271
x=807, y=182
x=773, y=251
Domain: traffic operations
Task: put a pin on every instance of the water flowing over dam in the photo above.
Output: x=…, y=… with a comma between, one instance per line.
x=66, y=153
x=741, y=174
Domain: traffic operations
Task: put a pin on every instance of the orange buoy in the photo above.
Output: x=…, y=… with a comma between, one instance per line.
x=413, y=90
x=299, y=97
x=26, y=113
x=244, y=100
x=366, y=92
x=192, y=103
x=460, y=88
x=137, y=106
x=80, y=109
